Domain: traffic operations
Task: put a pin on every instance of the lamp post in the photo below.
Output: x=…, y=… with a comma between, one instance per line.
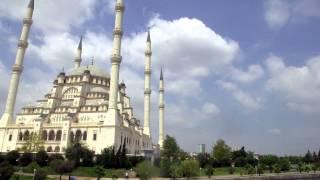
x=34, y=174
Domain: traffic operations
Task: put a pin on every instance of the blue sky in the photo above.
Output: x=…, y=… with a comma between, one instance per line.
x=246, y=71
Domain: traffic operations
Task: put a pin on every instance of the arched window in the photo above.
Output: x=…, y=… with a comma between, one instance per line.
x=57, y=149
x=78, y=135
x=71, y=137
x=26, y=135
x=70, y=93
x=84, y=136
x=44, y=135
x=49, y=149
x=51, y=135
x=58, y=136
x=20, y=137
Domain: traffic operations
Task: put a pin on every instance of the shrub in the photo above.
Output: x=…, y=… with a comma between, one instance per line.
x=145, y=170
x=189, y=168
x=314, y=168
x=12, y=157
x=260, y=169
x=40, y=174
x=6, y=170
x=25, y=159
x=277, y=168
x=53, y=157
x=30, y=168
x=209, y=171
x=42, y=158
x=99, y=171
x=231, y=170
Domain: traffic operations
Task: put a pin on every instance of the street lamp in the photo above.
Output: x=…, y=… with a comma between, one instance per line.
x=34, y=174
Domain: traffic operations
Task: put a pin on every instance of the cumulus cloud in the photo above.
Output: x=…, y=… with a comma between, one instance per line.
x=244, y=98
x=279, y=13
x=210, y=109
x=300, y=86
x=51, y=15
x=253, y=73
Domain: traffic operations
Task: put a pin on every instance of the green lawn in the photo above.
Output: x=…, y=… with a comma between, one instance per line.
x=224, y=171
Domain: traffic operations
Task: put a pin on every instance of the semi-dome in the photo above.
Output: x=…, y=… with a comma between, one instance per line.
x=94, y=70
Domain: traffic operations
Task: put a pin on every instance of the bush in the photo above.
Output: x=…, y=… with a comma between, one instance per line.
x=12, y=157
x=41, y=174
x=260, y=169
x=277, y=168
x=145, y=170
x=6, y=170
x=307, y=169
x=99, y=171
x=231, y=170
x=314, y=168
x=189, y=168
x=42, y=158
x=25, y=159
x=30, y=168
x=53, y=157
x=209, y=171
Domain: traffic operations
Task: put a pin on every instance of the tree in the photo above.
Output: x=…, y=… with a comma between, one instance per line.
x=314, y=168
x=62, y=167
x=300, y=167
x=222, y=153
x=145, y=170
x=284, y=164
x=77, y=152
x=260, y=169
x=170, y=148
x=99, y=172
x=25, y=159
x=189, y=168
x=203, y=159
x=308, y=157
x=12, y=157
x=42, y=158
x=53, y=157
x=6, y=170
x=269, y=161
x=239, y=157
x=209, y=171
x=33, y=144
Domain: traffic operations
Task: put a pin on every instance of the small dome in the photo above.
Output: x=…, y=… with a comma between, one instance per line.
x=94, y=70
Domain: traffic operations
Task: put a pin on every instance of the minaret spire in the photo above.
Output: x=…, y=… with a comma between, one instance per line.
x=78, y=58
x=147, y=88
x=115, y=61
x=161, y=110
x=18, y=66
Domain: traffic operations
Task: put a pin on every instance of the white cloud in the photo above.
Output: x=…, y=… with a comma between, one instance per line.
x=244, y=98
x=210, y=109
x=51, y=15
x=253, y=73
x=300, y=86
x=277, y=13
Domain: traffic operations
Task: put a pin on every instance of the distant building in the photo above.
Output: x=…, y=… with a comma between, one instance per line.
x=201, y=148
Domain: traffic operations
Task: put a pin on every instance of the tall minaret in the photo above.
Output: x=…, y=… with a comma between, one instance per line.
x=18, y=66
x=161, y=110
x=78, y=58
x=147, y=88
x=116, y=59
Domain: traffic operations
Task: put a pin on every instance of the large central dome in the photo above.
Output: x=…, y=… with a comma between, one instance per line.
x=94, y=70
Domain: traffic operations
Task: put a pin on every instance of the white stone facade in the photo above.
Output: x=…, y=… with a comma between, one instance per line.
x=77, y=108
x=86, y=105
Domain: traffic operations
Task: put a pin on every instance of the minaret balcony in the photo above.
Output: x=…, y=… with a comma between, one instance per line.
x=120, y=7
x=148, y=53
x=147, y=71
x=147, y=91
x=161, y=106
x=27, y=21
x=117, y=32
x=116, y=59
x=161, y=90
x=17, y=68
x=22, y=44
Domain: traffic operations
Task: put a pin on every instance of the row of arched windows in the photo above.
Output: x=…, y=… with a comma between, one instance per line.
x=52, y=135
x=78, y=136
x=56, y=149
x=24, y=136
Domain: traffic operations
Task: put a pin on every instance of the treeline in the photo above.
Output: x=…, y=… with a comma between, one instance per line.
x=75, y=156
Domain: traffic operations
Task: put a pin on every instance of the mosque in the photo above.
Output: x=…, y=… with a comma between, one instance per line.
x=86, y=105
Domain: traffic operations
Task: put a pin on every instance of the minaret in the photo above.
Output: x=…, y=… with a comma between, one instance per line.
x=18, y=66
x=147, y=88
x=78, y=58
x=161, y=110
x=116, y=59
